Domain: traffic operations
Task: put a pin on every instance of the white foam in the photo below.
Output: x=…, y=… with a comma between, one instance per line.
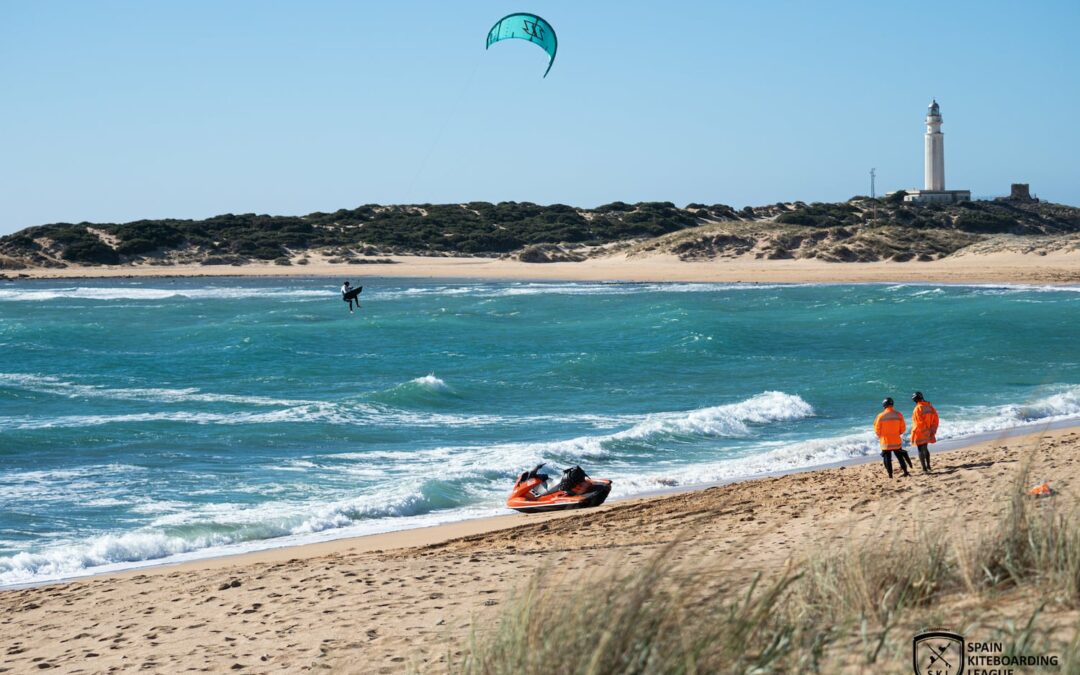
x=1062, y=406
x=981, y=289
x=786, y=457
x=723, y=420
x=431, y=383
x=229, y=527
x=492, y=290
x=289, y=410
x=49, y=384
x=74, y=559
x=398, y=506
x=360, y=415
x=566, y=288
x=139, y=293
x=261, y=528
x=732, y=420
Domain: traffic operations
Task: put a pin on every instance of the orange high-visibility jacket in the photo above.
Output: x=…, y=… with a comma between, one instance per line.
x=924, y=422
x=889, y=427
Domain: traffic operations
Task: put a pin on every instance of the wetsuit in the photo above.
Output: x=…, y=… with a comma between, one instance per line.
x=345, y=290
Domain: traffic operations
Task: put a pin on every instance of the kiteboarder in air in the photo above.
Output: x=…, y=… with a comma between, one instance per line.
x=350, y=295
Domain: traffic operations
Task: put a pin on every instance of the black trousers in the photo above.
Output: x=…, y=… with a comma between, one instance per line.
x=924, y=456
x=901, y=455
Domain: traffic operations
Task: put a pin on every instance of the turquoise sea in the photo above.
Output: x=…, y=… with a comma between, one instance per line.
x=144, y=421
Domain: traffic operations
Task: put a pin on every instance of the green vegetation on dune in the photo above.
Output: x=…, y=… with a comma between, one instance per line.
x=476, y=228
x=486, y=229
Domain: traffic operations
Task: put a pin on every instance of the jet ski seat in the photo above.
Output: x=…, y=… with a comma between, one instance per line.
x=570, y=477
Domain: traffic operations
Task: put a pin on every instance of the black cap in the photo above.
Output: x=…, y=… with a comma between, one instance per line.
x=917, y=396
x=887, y=402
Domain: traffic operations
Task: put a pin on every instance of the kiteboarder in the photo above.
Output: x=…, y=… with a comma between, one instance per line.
x=889, y=427
x=350, y=295
x=924, y=425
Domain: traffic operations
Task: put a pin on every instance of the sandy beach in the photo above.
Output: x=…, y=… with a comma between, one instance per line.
x=387, y=603
x=997, y=267
x=299, y=304
x=413, y=599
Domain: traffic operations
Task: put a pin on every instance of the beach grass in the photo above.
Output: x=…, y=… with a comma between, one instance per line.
x=848, y=608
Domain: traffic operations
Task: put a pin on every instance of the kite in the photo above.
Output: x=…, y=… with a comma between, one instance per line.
x=525, y=27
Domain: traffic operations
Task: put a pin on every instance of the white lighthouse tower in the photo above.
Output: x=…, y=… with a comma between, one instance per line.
x=934, y=161
x=934, y=165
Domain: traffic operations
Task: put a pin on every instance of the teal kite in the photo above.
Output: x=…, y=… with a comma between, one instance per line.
x=525, y=27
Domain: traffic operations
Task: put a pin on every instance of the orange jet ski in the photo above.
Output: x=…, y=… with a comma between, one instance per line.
x=575, y=490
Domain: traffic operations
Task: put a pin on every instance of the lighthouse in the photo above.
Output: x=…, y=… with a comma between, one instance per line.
x=934, y=160
x=934, y=165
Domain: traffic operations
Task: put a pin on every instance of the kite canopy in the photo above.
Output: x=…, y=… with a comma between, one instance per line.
x=525, y=27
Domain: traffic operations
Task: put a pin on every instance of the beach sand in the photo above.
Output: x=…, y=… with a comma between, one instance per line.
x=386, y=603
x=996, y=267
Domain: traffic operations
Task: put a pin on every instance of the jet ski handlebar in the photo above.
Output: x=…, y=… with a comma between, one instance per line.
x=534, y=473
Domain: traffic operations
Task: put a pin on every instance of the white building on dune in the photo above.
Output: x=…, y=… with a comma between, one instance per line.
x=934, y=165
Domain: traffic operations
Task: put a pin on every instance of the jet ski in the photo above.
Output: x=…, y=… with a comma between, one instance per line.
x=574, y=490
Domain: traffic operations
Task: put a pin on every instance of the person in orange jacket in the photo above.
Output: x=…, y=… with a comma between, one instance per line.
x=924, y=424
x=889, y=427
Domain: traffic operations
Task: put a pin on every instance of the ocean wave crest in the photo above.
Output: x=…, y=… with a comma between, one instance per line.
x=228, y=528
x=733, y=419
x=473, y=480
x=566, y=288
x=431, y=383
x=1061, y=406
x=139, y=293
x=646, y=433
x=48, y=384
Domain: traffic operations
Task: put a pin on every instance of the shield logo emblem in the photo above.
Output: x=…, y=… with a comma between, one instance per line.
x=938, y=653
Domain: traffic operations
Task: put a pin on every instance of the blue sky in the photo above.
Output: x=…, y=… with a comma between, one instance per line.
x=114, y=111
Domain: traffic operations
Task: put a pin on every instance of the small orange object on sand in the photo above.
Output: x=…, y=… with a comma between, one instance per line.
x=1043, y=490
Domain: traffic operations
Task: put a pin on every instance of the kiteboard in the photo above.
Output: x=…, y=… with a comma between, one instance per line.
x=351, y=295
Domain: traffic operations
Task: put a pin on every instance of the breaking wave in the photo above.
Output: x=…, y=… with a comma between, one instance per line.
x=471, y=480
x=230, y=529
x=139, y=293
x=48, y=384
x=566, y=288
x=1060, y=407
x=428, y=391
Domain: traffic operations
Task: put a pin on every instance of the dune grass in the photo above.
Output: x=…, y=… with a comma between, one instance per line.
x=843, y=610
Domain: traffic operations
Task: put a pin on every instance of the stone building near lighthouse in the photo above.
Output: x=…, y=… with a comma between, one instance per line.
x=934, y=166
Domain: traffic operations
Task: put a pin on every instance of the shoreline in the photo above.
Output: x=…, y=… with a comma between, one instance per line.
x=343, y=608
x=990, y=268
x=451, y=530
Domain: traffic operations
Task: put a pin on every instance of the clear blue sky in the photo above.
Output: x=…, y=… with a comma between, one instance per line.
x=113, y=111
